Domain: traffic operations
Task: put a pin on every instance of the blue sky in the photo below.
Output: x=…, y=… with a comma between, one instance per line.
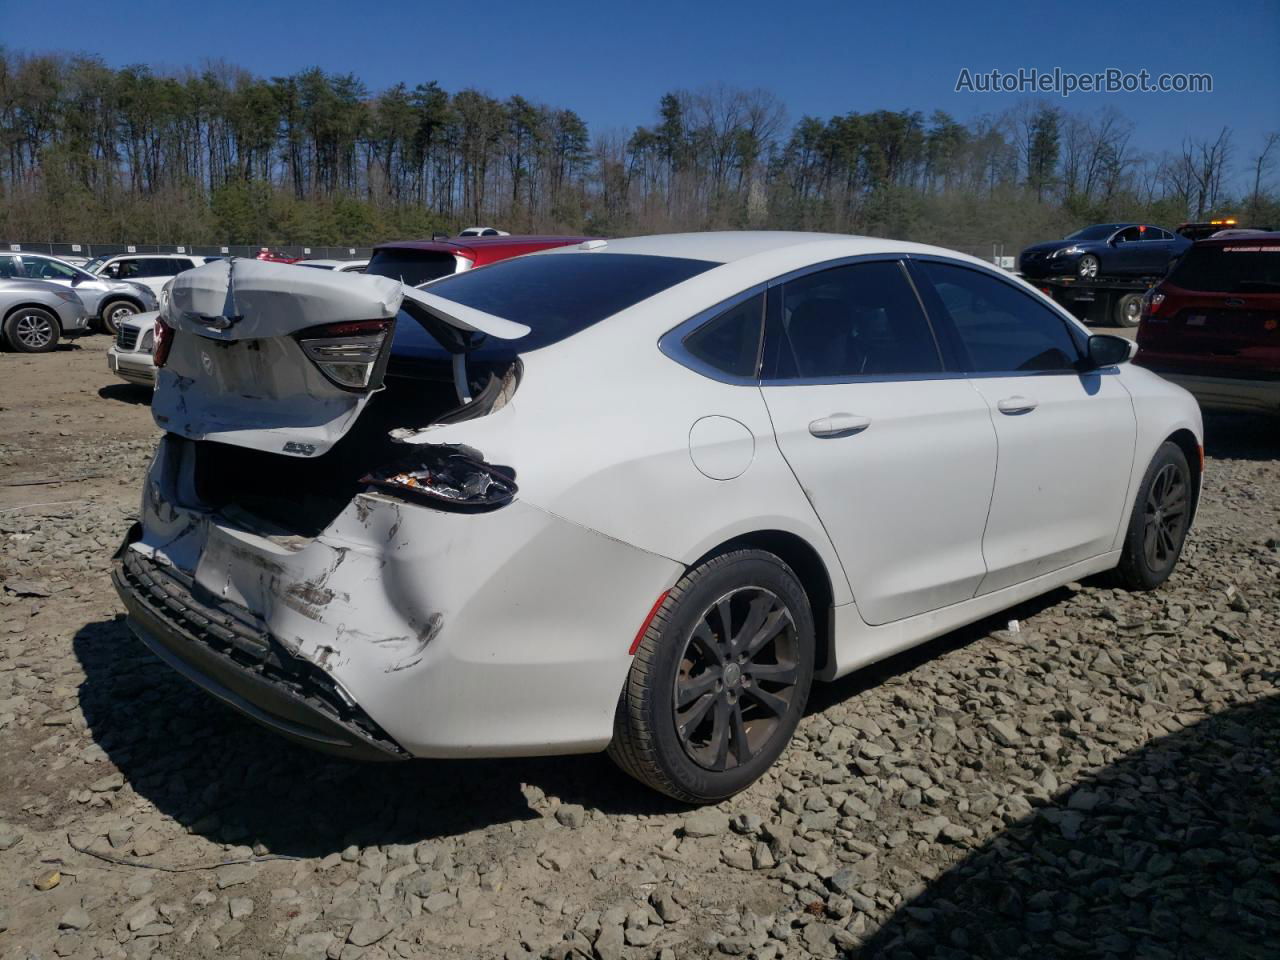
x=612, y=61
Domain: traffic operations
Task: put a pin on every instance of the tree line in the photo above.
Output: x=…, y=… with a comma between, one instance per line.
x=91, y=152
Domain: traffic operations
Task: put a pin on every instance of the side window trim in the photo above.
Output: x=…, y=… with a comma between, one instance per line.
x=935, y=306
x=671, y=343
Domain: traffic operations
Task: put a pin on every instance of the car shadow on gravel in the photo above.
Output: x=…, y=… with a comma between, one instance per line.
x=226, y=778
x=127, y=393
x=1170, y=852
x=1241, y=436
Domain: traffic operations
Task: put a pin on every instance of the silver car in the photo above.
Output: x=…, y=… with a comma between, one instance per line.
x=107, y=301
x=132, y=356
x=34, y=314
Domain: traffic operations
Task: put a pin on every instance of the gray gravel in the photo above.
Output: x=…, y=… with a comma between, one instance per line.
x=1099, y=782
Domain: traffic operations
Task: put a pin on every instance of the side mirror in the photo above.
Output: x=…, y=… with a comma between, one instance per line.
x=1107, y=351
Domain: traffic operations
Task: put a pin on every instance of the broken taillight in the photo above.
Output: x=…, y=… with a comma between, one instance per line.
x=164, y=340
x=349, y=354
x=450, y=476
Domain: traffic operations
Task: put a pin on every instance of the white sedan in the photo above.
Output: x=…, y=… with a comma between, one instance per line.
x=632, y=494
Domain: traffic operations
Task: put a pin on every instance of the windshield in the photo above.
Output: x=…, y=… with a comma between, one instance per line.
x=91, y=266
x=1252, y=268
x=556, y=295
x=1099, y=231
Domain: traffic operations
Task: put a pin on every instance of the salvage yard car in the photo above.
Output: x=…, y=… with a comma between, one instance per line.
x=35, y=314
x=1105, y=250
x=628, y=494
x=1214, y=325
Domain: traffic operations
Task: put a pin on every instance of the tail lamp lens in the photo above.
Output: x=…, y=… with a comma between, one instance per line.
x=1151, y=303
x=348, y=353
x=164, y=341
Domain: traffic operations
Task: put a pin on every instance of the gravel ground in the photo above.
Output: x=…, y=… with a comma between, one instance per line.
x=1094, y=774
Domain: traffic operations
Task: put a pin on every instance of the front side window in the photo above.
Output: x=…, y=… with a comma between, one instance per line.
x=730, y=342
x=857, y=320
x=39, y=268
x=1128, y=235
x=1003, y=329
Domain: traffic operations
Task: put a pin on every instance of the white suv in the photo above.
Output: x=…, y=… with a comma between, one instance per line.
x=152, y=270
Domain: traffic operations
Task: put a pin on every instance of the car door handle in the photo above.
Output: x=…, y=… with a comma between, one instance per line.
x=838, y=425
x=1013, y=406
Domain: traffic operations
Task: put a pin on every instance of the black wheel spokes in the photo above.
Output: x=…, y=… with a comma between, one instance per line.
x=737, y=678
x=1166, y=514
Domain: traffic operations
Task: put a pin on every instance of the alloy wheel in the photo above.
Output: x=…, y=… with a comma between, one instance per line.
x=120, y=313
x=1166, y=516
x=738, y=675
x=1088, y=267
x=34, y=331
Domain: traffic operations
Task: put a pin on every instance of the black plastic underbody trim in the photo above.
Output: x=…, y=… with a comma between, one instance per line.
x=218, y=646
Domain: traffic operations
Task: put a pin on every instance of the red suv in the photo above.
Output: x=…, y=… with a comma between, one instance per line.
x=1213, y=325
x=418, y=261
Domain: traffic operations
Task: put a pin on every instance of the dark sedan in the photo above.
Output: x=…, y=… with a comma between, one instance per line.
x=1105, y=250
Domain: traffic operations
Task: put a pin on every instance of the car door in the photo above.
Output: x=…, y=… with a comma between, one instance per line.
x=892, y=446
x=1158, y=250
x=1125, y=254
x=1065, y=438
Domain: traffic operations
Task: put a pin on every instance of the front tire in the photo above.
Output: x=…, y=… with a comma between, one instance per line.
x=1159, y=522
x=1087, y=268
x=719, y=681
x=115, y=313
x=32, y=330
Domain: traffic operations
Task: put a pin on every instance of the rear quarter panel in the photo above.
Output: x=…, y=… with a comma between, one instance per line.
x=1162, y=409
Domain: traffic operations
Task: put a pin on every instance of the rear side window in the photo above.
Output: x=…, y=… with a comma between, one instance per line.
x=1241, y=268
x=858, y=320
x=730, y=342
x=414, y=267
x=1002, y=329
x=8, y=268
x=558, y=295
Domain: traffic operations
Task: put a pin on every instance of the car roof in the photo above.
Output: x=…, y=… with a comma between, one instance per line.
x=731, y=245
x=1246, y=240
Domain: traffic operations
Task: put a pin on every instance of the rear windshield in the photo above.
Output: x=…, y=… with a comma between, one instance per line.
x=1242, y=268
x=556, y=295
x=414, y=267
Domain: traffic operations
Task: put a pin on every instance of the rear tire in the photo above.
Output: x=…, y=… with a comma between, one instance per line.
x=1159, y=522
x=32, y=330
x=115, y=313
x=708, y=706
x=1129, y=310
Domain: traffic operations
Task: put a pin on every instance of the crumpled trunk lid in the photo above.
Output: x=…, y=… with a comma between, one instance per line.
x=238, y=373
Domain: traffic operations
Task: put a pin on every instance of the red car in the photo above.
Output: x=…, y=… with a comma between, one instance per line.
x=1213, y=325
x=418, y=261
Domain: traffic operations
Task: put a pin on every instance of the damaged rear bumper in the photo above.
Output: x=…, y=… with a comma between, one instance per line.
x=217, y=646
